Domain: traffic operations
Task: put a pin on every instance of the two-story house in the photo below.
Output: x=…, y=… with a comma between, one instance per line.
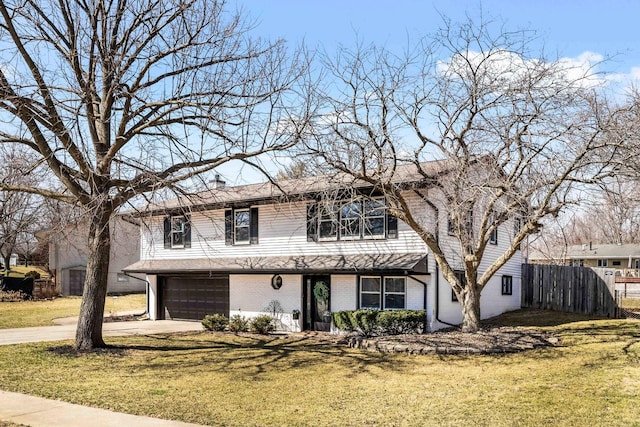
x=302, y=245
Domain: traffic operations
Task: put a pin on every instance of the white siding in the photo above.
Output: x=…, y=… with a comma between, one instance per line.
x=344, y=292
x=251, y=294
x=492, y=302
x=282, y=232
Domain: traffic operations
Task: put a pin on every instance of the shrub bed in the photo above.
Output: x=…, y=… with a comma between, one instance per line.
x=215, y=322
x=380, y=322
x=263, y=324
x=238, y=323
x=13, y=296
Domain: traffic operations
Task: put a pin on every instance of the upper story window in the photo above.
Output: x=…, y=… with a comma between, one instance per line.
x=468, y=224
x=374, y=218
x=241, y=226
x=351, y=220
x=327, y=224
x=493, y=237
x=359, y=218
x=241, y=223
x=517, y=226
x=177, y=232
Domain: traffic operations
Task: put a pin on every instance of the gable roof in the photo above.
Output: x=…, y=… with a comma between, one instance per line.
x=299, y=189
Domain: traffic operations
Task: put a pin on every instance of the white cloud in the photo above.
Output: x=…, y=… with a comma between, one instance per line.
x=501, y=67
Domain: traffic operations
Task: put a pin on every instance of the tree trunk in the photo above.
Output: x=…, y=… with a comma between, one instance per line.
x=470, y=309
x=89, y=330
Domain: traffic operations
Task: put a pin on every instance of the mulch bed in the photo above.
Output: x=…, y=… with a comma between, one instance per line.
x=495, y=340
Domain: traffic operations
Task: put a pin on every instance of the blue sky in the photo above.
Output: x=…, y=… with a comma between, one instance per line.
x=566, y=28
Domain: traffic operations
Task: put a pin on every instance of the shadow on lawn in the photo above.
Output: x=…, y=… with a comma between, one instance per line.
x=249, y=355
x=531, y=317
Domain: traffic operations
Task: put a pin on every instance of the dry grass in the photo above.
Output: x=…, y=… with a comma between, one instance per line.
x=630, y=303
x=592, y=378
x=23, y=314
x=21, y=270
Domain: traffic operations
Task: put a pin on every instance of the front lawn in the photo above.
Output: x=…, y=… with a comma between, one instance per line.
x=591, y=378
x=19, y=271
x=23, y=314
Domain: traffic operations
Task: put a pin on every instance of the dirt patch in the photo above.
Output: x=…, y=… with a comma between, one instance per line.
x=124, y=318
x=487, y=341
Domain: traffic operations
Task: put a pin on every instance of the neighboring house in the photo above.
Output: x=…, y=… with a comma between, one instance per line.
x=248, y=250
x=68, y=252
x=615, y=256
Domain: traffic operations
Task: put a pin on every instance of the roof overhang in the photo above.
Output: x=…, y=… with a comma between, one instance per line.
x=412, y=263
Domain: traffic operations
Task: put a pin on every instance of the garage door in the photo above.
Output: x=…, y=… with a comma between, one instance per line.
x=76, y=281
x=194, y=297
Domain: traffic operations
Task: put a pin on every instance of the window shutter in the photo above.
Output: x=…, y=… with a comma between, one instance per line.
x=253, y=226
x=167, y=233
x=312, y=222
x=392, y=227
x=228, y=227
x=187, y=231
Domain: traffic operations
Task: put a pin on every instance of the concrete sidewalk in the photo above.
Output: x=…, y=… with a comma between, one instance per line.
x=38, y=412
x=109, y=329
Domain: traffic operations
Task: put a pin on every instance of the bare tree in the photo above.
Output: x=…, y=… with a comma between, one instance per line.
x=20, y=213
x=515, y=135
x=296, y=170
x=121, y=98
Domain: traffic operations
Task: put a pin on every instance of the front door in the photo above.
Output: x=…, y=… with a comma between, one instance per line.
x=317, y=297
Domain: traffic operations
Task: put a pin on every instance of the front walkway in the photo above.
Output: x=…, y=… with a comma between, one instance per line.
x=38, y=412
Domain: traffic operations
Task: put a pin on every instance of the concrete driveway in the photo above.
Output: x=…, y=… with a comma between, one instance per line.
x=110, y=329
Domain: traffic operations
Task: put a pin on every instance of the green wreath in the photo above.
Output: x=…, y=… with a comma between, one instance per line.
x=321, y=291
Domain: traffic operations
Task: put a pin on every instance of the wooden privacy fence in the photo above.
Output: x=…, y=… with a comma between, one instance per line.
x=572, y=289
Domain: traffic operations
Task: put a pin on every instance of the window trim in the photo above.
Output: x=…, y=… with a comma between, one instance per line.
x=173, y=219
x=493, y=237
x=236, y=227
x=463, y=279
x=230, y=226
x=382, y=205
x=169, y=232
x=517, y=226
x=507, y=285
x=379, y=293
x=357, y=220
x=331, y=212
x=382, y=293
x=331, y=217
x=403, y=293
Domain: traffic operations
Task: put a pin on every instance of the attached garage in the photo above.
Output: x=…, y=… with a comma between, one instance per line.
x=76, y=282
x=193, y=297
